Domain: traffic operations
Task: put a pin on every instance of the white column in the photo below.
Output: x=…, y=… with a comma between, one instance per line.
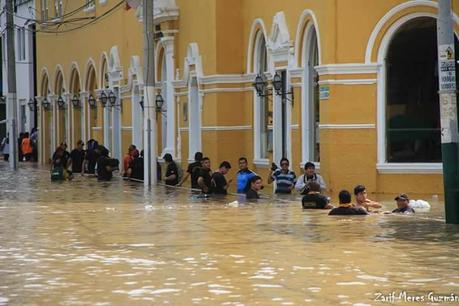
x=137, y=116
x=168, y=44
x=277, y=128
x=69, y=122
x=84, y=107
x=107, y=126
x=116, y=125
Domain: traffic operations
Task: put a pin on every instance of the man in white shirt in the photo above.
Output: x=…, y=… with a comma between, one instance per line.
x=309, y=175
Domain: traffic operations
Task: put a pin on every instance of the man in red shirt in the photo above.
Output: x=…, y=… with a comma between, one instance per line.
x=128, y=158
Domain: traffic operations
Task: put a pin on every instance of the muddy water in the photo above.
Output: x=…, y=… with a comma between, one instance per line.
x=90, y=243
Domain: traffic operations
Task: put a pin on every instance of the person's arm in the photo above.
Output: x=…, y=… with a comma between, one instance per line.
x=270, y=176
x=293, y=183
x=228, y=183
x=369, y=203
x=202, y=184
x=299, y=185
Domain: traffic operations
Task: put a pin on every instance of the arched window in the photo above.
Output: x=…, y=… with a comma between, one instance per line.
x=263, y=106
x=91, y=86
x=77, y=114
x=412, y=113
x=62, y=115
x=310, y=107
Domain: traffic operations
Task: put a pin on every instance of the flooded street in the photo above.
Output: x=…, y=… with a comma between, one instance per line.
x=113, y=243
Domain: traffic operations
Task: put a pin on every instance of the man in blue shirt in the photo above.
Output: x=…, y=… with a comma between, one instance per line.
x=243, y=175
x=285, y=179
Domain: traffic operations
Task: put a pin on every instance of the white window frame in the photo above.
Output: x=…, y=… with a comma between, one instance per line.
x=44, y=10
x=258, y=160
x=58, y=8
x=382, y=165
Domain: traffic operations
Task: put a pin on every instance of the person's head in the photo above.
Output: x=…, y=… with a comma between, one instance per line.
x=344, y=197
x=402, y=200
x=360, y=193
x=102, y=151
x=80, y=144
x=224, y=167
x=63, y=145
x=309, y=169
x=168, y=158
x=314, y=187
x=141, y=153
x=198, y=156
x=243, y=164
x=284, y=163
x=205, y=163
x=135, y=153
x=26, y=135
x=256, y=183
x=131, y=149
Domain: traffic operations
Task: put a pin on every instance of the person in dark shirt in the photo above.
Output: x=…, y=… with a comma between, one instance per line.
x=171, y=177
x=285, y=179
x=104, y=170
x=193, y=171
x=77, y=157
x=91, y=156
x=204, y=176
x=254, y=185
x=135, y=170
x=403, y=206
x=313, y=199
x=219, y=183
x=243, y=175
x=61, y=156
x=346, y=207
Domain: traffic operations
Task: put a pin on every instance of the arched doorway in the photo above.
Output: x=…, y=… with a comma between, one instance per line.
x=263, y=108
x=310, y=112
x=412, y=113
x=93, y=110
x=77, y=109
x=194, y=111
x=105, y=112
x=47, y=122
x=162, y=124
x=61, y=109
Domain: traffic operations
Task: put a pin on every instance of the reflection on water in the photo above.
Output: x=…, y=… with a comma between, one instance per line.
x=86, y=242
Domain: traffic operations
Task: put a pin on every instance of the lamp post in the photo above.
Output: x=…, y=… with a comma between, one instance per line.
x=103, y=99
x=92, y=101
x=76, y=101
x=45, y=104
x=31, y=104
x=159, y=102
x=60, y=102
x=112, y=98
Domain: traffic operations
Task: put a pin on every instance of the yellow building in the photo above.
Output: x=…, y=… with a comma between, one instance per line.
x=363, y=76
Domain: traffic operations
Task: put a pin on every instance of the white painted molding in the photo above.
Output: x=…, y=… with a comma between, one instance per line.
x=382, y=22
x=257, y=25
x=218, y=90
x=410, y=168
x=296, y=72
x=181, y=94
x=348, y=82
x=351, y=68
x=347, y=126
x=126, y=128
x=220, y=128
x=97, y=128
x=299, y=40
x=294, y=126
x=227, y=78
x=262, y=162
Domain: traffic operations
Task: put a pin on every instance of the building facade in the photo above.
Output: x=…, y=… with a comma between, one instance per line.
x=25, y=47
x=356, y=91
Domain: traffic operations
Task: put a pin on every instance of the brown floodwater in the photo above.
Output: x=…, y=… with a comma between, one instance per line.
x=114, y=243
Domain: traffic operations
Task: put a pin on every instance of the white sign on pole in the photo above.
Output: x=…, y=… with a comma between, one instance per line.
x=447, y=71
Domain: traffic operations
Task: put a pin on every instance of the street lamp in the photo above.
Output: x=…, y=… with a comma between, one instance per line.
x=76, y=101
x=31, y=104
x=45, y=103
x=277, y=84
x=260, y=85
x=60, y=102
x=103, y=99
x=141, y=103
x=92, y=101
x=159, y=101
x=112, y=98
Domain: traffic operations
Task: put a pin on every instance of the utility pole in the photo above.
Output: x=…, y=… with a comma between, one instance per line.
x=448, y=110
x=150, y=145
x=11, y=97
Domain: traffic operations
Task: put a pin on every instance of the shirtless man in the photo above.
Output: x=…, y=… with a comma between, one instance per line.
x=362, y=200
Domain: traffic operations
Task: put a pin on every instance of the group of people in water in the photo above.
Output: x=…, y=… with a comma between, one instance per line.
x=95, y=161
